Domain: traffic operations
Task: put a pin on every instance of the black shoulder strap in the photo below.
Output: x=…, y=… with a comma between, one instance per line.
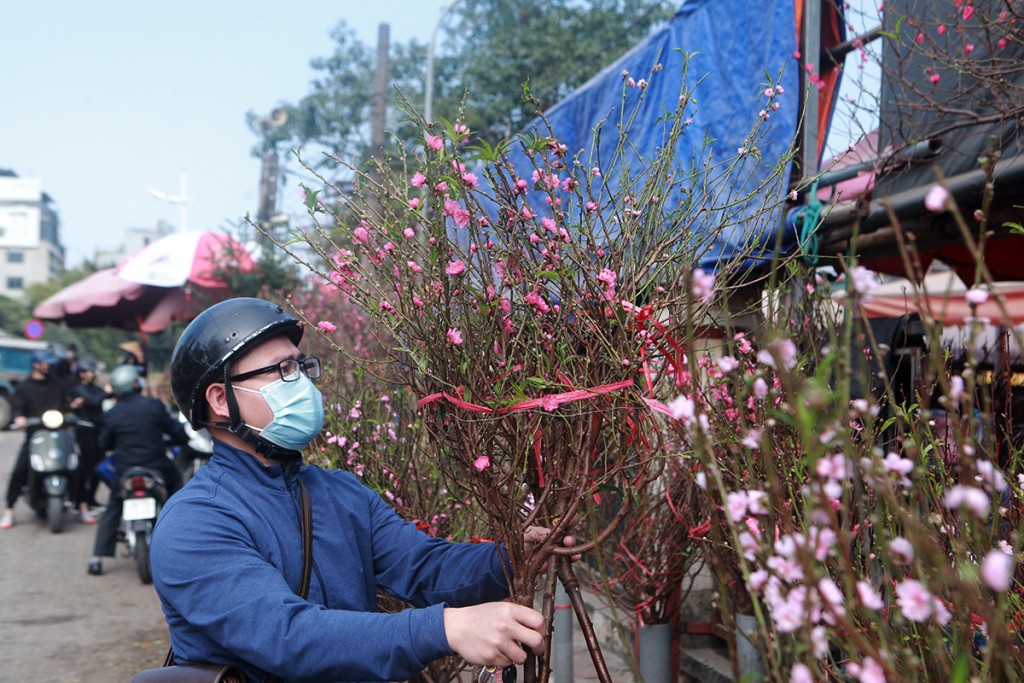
x=307, y=561
x=307, y=539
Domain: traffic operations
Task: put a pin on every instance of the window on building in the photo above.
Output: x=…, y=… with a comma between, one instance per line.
x=15, y=283
x=15, y=257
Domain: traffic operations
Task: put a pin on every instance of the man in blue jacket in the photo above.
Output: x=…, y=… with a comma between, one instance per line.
x=227, y=550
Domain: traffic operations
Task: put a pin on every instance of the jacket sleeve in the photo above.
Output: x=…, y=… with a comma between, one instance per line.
x=424, y=570
x=221, y=586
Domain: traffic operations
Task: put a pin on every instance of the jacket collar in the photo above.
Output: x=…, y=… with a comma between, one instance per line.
x=245, y=464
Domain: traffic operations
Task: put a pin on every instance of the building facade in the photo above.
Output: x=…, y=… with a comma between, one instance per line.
x=30, y=246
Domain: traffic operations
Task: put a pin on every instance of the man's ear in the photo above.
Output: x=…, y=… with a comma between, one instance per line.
x=217, y=403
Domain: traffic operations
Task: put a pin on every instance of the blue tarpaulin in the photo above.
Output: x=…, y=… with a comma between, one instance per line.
x=737, y=49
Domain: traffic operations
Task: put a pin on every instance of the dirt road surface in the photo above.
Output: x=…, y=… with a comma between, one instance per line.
x=57, y=623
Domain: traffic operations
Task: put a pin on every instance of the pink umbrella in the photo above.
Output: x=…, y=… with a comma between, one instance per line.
x=101, y=299
x=186, y=258
x=171, y=279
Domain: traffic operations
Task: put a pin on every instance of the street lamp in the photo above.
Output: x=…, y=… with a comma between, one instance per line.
x=181, y=199
x=429, y=89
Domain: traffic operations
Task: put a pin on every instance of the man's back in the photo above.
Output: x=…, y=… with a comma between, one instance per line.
x=35, y=396
x=134, y=430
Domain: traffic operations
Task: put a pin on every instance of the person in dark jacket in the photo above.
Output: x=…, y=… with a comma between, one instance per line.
x=134, y=429
x=227, y=551
x=66, y=368
x=85, y=399
x=33, y=397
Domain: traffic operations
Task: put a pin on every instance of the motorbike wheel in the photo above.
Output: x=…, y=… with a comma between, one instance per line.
x=55, y=514
x=142, y=556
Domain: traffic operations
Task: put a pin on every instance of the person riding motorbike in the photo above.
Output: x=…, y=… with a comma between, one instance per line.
x=134, y=430
x=33, y=397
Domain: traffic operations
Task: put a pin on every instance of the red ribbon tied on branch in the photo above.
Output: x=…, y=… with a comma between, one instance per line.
x=548, y=402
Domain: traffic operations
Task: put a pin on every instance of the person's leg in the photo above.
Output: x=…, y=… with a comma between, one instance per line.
x=19, y=477
x=88, y=454
x=106, y=534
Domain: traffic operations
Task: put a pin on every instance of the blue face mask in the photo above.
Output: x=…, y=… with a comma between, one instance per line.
x=298, y=412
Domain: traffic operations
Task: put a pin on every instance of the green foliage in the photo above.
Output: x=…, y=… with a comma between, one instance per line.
x=274, y=273
x=557, y=45
x=13, y=314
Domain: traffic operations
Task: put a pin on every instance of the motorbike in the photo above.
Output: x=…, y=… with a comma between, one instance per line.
x=144, y=493
x=53, y=460
x=196, y=453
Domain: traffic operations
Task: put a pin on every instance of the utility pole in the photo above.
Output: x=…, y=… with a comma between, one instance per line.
x=380, y=89
x=378, y=113
x=268, y=169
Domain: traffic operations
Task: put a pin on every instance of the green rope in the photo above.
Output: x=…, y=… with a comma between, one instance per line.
x=807, y=221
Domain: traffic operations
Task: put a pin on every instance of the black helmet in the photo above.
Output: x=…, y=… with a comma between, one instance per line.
x=217, y=335
x=45, y=357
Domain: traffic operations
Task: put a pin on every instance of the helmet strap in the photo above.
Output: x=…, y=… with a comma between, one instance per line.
x=237, y=426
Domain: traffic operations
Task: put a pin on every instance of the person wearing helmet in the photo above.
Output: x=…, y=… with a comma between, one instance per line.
x=85, y=399
x=134, y=430
x=228, y=546
x=33, y=397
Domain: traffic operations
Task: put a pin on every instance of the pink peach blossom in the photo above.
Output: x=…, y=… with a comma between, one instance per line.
x=936, y=198
x=997, y=570
x=914, y=600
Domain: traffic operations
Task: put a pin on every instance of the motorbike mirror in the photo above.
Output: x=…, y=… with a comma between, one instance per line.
x=52, y=419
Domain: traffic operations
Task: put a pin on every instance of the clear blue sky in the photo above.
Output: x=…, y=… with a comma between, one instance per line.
x=103, y=99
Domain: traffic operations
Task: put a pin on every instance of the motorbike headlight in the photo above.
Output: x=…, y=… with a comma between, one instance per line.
x=52, y=419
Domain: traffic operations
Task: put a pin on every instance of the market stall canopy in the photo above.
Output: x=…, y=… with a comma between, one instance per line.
x=724, y=50
x=100, y=300
x=171, y=279
x=942, y=297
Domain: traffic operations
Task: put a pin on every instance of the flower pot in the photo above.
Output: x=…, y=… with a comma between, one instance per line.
x=654, y=653
x=748, y=659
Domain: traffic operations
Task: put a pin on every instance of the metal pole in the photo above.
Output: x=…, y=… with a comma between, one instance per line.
x=561, y=645
x=428, y=97
x=812, y=57
x=380, y=90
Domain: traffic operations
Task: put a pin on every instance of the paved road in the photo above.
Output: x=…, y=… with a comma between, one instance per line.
x=57, y=623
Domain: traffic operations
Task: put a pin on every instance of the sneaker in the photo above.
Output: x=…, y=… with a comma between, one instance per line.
x=85, y=517
x=7, y=521
x=95, y=568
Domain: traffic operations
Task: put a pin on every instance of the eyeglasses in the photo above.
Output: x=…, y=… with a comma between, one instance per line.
x=288, y=369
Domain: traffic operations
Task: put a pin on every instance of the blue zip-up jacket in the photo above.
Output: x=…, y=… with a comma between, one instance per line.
x=227, y=561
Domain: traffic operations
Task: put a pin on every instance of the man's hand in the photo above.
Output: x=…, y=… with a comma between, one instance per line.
x=494, y=633
x=20, y=421
x=536, y=535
